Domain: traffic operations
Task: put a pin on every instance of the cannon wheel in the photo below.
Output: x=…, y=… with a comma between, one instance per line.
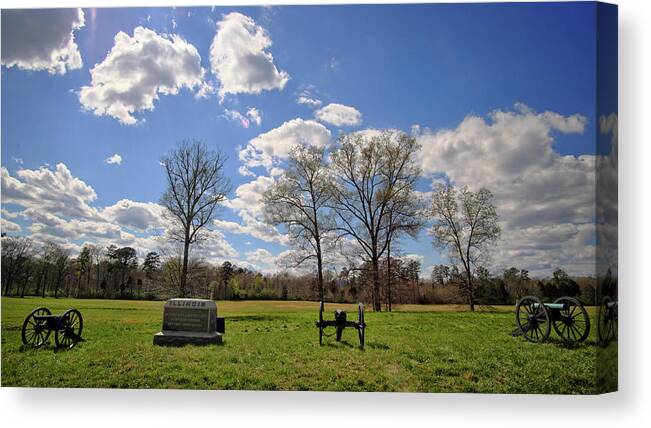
x=607, y=321
x=533, y=319
x=35, y=333
x=321, y=323
x=360, y=322
x=69, y=332
x=573, y=326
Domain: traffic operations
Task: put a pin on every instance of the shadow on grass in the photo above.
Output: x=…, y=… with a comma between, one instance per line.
x=377, y=345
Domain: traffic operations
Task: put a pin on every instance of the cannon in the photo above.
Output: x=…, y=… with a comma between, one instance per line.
x=607, y=320
x=566, y=315
x=340, y=323
x=40, y=323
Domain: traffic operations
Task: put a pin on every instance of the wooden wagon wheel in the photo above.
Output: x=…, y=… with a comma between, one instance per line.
x=573, y=325
x=607, y=321
x=69, y=331
x=533, y=319
x=35, y=333
x=321, y=323
x=361, y=324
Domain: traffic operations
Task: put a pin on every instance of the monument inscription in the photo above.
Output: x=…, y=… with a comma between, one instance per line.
x=189, y=321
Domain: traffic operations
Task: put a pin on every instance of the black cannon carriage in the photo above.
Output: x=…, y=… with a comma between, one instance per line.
x=566, y=315
x=40, y=323
x=607, y=320
x=340, y=323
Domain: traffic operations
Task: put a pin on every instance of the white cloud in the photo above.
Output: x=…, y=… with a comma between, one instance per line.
x=9, y=226
x=260, y=256
x=305, y=100
x=339, y=115
x=240, y=60
x=252, y=115
x=306, y=97
x=137, y=70
x=57, y=205
x=268, y=149
x=41, y=39
x=116, y=159
x=236, y=116
x=55, y=191
x=139, y=216
x=546, y=201
x=249, y=206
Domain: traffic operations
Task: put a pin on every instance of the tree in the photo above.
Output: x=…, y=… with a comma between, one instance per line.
x=82, y=266
x=151, y=264
x=299, y=201
x=404, y=217
x=124, y=260
x=465, y=223
x=226, y=271
x=196, y=185
x=59, y=258
x=16, y=253
x=370, y=175
x=96, y=255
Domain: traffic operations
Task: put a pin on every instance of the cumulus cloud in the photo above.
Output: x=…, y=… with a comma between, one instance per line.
x=58, y=207
x=260, y=256
x=339, y=115
x=137, y=70
x=41, y=39
x=55, y=191
x=308, y=101
x=249, y=206
x=7, y=226
x=252, y=115
x=240, y=60
x=268, y=149
x=546, y=201
x=139, y=216
x=116, y=159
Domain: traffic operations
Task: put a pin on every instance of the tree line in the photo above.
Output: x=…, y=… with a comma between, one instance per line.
x=346, y=210
x=117, y=272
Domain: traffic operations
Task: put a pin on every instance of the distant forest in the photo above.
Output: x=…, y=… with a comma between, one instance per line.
x=118, y=273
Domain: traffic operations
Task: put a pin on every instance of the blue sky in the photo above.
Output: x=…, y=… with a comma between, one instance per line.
x=433, y=66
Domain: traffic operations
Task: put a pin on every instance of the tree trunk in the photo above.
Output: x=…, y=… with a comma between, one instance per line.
x=389, y=274
x=184, y=269
x=376, y=284
x=471, y=297
x=319, y=264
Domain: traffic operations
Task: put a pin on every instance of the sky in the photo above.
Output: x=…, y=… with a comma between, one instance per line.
x=497, y=95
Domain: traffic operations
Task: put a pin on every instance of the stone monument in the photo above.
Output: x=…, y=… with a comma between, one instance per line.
x=192, y=321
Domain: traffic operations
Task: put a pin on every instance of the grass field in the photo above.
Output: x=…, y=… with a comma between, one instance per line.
x=274, y=346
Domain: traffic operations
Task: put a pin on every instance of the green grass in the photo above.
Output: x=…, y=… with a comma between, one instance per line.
x=274, y=346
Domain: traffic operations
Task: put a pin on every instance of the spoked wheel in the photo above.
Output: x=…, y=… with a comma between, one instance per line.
x=362, y=325
x=321, y=324
x=573, y=323
x=36, y=332
x=607, y=321
x=533, y=319
x=69, y=331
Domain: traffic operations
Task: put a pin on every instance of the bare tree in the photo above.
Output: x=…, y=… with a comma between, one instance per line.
x=196, y=185
x=59, y=258
x=370, y=175
x=466, y=225
x=299, y=201
x=16, y=252
x=405, y=218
